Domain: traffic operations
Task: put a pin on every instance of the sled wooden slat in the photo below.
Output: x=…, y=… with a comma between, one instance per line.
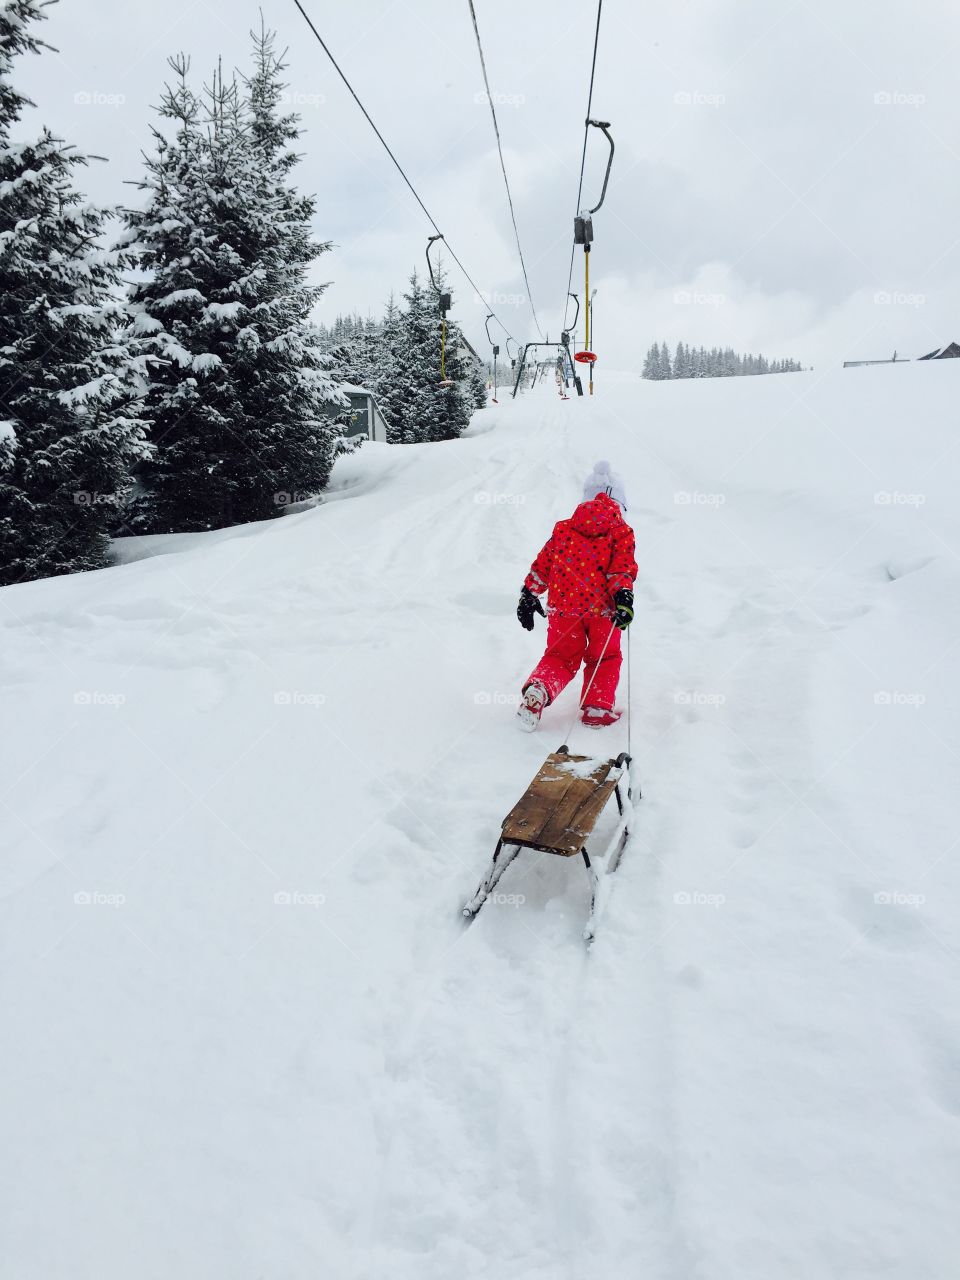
x=559, y=809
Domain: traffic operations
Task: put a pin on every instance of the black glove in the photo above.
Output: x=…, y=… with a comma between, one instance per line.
x=623, y=615
x=525, y=609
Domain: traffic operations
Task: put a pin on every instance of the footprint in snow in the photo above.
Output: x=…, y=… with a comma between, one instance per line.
x=690, y=976
x=899, y=568
x=887, y=918
x=746, y=838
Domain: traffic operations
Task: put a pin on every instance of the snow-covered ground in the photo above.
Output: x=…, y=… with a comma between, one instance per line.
x=248, y=783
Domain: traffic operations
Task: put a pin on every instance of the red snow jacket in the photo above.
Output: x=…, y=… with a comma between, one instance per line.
x=586, y=561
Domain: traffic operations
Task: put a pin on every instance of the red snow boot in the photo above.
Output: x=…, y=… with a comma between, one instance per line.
x=599, y=717
x=535, y=698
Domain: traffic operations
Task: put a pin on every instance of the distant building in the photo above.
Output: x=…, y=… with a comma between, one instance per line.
x=950, y=352
x=363, y=417
x=466, y=352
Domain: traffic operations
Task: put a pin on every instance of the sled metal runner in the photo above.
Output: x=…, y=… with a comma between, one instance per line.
x=557, y=814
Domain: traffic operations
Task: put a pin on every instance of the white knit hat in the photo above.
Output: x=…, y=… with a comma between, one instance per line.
x=602, y=480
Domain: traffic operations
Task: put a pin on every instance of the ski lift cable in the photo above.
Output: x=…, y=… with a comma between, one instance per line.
x=386, y=146
x=586, y=135
x=503, y=167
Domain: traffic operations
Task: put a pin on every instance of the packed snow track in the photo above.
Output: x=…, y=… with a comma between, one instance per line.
x=250, y=779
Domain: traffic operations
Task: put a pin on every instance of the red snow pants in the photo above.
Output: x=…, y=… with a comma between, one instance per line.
x=572, y=641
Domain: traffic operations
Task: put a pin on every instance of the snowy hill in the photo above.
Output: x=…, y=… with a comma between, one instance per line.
x=248, y=783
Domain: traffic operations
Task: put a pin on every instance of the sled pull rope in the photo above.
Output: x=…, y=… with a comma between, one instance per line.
x=629, y=698
x=583, y=700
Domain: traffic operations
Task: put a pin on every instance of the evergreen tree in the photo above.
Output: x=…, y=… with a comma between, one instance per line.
x=697, y=362
x=286, y=377
x=476, y=384
x=429, y=410
x=239, y=395
x=394, y=377
x=68, y=430
x=357, y=353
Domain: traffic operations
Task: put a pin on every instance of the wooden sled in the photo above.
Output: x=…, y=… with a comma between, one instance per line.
x=557, y=814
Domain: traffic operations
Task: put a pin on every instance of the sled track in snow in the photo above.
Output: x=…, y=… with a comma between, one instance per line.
x=503, y=1043
x=359, y=1083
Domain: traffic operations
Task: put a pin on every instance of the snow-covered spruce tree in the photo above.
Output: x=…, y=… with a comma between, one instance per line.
x=419, y=353
x=239, y=392
x=458, y=401
x=395, y=383
x=68, y=432
x=171, y=240
x=292, y=379
x=356, y=353
x=476, y=385
x=434, y=412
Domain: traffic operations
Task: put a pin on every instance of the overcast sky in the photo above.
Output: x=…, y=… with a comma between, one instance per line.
x=787, y=175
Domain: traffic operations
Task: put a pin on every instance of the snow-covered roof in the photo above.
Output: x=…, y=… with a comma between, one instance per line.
x=349, y=389
x=469, y=346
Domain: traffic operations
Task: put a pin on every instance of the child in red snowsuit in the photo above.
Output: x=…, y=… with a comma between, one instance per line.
x=588, y=569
